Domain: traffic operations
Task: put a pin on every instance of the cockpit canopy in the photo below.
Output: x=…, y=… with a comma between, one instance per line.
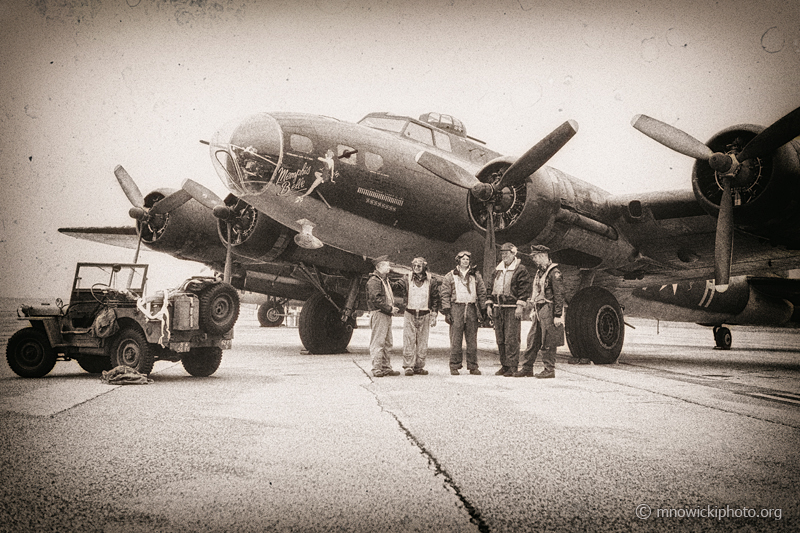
x=445, y=122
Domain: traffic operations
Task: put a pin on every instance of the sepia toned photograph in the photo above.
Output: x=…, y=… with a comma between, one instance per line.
x=399, y=266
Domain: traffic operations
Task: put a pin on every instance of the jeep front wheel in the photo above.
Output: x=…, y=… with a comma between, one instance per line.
x=129, y=348
x=29, y=353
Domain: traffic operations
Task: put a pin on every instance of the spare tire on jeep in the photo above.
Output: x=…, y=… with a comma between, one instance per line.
x=219, y=308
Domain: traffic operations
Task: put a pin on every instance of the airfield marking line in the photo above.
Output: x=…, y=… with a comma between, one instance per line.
x=683, y=399
x=438, y=468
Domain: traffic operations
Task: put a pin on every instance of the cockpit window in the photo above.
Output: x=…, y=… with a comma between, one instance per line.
x=443, y=141
x=301, y=143
x=395, y=125
x=419, y=133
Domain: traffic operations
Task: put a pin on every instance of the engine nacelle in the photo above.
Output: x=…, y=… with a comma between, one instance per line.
x=521, y=211
x=255, y=236
x=187, y=232
x=766, y=192
x=700, y=302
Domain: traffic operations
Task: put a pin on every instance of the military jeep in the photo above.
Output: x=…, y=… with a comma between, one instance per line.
x=109, y=322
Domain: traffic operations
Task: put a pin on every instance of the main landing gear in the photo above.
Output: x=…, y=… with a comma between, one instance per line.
x=326, y=321
x=594, y=325
x=723, y=338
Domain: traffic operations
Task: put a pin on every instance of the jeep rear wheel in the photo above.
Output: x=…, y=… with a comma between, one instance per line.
x=129, y=348
x=202, y=362
x=29, y=353
x=219, y=308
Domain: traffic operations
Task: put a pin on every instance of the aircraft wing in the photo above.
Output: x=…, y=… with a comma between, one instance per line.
x=674, y=239
x=124, y=237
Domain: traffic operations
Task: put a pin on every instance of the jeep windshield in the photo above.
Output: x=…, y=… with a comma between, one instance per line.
x=116, y=276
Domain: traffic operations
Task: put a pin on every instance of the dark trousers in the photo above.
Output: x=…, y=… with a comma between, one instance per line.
x=464, y=327
x=541, y=326
x=507, y=332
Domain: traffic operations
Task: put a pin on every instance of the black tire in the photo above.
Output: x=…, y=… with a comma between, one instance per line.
x=321, y=329
x=29, y=353
x=95, y=364
x=723, y=338
x=129, y=348
x=271, y=314
x=595, y=326
x=219, y=308
x=202, y=362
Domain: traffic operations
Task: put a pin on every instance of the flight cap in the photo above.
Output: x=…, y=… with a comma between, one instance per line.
x=508, y=247
x=539, y=249
x=380, y=259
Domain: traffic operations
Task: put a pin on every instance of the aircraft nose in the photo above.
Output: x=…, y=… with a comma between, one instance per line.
x=247, y=153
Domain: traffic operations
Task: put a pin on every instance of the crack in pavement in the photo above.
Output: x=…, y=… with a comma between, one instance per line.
x=438, y=469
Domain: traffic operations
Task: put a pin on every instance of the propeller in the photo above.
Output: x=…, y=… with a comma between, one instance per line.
x=727, y=167
x=514, y=175
x=207, y=198
x=139, y=211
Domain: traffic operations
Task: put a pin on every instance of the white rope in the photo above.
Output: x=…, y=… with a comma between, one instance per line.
x=162, y=315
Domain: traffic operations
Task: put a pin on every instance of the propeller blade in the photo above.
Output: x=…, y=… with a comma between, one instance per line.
x=171, y=202
x=772, y=138
x=538, y=155
x=446, y=170
x=129, y=186
x=723, y=247
x=489, y=254
x=672, y=137
x=203, y=195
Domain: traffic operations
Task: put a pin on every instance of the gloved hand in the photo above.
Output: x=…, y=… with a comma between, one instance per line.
x=518, y=312
x=448, y=319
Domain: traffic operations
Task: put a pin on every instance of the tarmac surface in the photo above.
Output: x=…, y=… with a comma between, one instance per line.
x=676, y=436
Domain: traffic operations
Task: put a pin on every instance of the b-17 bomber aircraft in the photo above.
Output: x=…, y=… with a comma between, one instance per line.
x=313, y=199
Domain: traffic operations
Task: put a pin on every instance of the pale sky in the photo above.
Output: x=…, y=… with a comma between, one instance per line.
x=138, y=83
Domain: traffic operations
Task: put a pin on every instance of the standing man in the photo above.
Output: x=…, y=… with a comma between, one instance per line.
x=380, y=301
x=423, y=302
x=511, y=288
x=463, y=297
x=547, y=303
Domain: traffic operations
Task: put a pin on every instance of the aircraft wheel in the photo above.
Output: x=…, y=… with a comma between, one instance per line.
x=129, y=348
x=595, y=327
x=723, y=338
x=94, y=364
x=321, y=329
x=29, y=353
x=202, y=362
x=219, y=308
x=271, y=314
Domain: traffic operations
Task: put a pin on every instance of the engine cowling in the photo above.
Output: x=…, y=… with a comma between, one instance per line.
x=766, y=191
x=521, y=211
x=254, y=236
x=188, y=232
